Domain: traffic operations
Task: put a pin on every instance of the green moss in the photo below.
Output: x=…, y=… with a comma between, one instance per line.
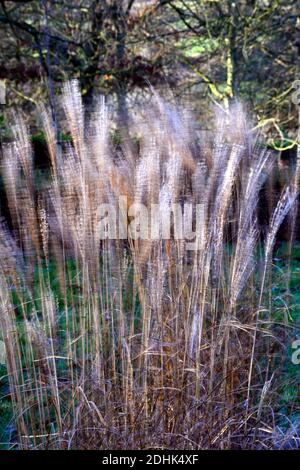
x=40, y=138
x=194, y=47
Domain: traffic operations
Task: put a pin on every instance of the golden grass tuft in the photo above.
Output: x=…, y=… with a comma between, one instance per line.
x=136, y=344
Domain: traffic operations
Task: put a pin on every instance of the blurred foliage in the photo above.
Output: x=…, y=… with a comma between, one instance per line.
x=205, y=51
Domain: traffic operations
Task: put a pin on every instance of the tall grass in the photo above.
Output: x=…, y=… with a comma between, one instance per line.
x=132, y=343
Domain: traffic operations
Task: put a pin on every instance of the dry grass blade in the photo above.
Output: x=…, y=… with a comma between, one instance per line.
x=136, y=342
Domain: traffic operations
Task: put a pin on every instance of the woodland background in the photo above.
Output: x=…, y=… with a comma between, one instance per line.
x=202, y=51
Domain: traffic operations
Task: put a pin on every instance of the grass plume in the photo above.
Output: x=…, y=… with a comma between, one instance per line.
x=140, y=343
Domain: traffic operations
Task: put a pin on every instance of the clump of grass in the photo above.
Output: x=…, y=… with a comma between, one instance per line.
x=140, y=343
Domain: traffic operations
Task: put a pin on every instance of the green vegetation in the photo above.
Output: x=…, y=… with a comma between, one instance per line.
x=206, y=51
